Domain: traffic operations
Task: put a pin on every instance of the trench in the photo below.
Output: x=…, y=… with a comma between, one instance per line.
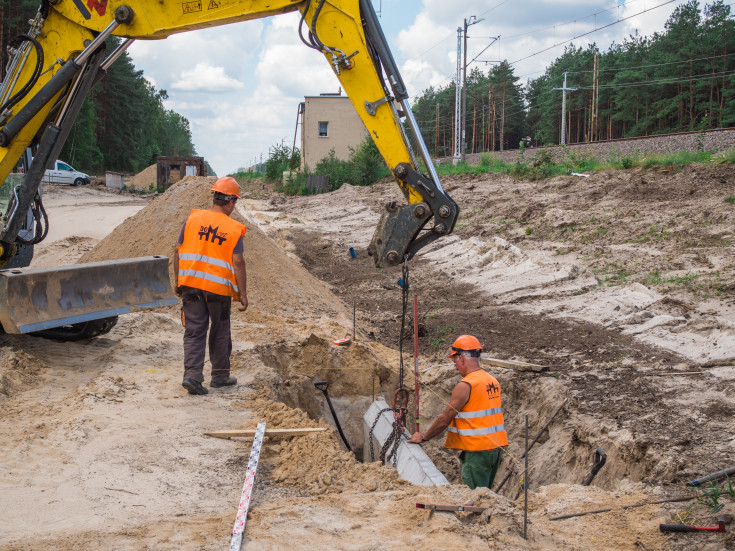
x=356, y=377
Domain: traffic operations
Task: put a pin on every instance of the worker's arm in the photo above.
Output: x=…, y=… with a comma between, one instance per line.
x=460, y=396
x=238, y=262
x=177, y=287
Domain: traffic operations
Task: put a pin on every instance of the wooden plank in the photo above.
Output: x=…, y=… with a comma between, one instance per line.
x=519, y=366
x=249, y=433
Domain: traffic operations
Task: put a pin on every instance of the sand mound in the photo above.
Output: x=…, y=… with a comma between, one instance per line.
x=315, y=463
x=276, y=285
x=144, y=178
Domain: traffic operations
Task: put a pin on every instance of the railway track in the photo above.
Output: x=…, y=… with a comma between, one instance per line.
x=719, y=139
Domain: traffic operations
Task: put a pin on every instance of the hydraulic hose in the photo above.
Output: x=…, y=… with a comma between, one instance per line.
x=16, y=42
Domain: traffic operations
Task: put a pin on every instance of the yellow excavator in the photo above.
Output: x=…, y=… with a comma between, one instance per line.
x=53, y=67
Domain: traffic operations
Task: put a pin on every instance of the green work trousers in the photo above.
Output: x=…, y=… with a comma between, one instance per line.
x=479, y=468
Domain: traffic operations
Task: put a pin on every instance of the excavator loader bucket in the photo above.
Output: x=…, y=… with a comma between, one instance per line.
x=43, y=298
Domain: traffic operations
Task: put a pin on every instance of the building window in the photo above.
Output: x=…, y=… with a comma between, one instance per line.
x=323, y=127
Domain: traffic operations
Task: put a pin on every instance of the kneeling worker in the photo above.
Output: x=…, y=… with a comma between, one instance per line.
x=473, y=418
x=210, y=268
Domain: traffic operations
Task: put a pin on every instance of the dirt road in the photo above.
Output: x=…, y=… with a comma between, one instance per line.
x=620, y=284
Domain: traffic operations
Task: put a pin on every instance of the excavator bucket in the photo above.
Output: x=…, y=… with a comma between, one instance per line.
x=44, y=298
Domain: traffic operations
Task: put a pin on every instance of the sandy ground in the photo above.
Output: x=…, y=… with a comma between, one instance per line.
x=103, y=449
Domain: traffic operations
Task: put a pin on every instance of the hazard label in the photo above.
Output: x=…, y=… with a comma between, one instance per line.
x=191, y=7
x=213, y=5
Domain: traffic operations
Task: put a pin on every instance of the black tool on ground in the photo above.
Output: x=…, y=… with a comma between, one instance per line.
x=686, y=528
x=323, y=386
x=600, y=458
x=440, y=507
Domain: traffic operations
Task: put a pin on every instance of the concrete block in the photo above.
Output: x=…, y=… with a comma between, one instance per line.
x=413, y=464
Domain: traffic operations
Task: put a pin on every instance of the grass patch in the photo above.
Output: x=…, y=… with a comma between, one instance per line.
x=438, y=341
x=612, y=275
x=246, y=175
x=676, y=159
x=704, y=284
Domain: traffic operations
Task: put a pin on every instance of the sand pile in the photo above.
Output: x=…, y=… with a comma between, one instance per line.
x=316, y=463
x=276, y=284
x=144, y=179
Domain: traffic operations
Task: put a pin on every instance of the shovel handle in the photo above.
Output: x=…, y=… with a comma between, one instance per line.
x=321, y=385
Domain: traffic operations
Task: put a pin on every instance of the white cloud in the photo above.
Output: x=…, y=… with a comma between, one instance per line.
x=204, y=78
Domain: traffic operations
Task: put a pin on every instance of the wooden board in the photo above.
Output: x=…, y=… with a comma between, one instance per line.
x=513, y=364
x=249, y=433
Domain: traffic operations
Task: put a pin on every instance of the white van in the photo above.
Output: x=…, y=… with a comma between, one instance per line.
x=63, y=173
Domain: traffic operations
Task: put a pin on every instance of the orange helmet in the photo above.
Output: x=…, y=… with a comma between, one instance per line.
x=227, y=186
x=466, y=343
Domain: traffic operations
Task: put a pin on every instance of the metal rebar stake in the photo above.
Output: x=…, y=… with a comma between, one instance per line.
x=525, y=490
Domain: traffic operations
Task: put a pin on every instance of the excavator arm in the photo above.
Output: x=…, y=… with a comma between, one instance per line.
x=55, y=64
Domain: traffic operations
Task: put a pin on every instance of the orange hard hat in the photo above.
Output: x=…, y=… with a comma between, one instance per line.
x=465, y=343
x=227, y=186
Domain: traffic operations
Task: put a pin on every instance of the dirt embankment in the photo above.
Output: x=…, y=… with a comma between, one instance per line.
x=620, y=285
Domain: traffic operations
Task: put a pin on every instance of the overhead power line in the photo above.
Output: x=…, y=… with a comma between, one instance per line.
x=590, y=32
x=656, y=64
x=527, y=33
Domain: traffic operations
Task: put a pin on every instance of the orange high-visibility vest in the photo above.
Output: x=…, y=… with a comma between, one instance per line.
x=205, y=256
x=479, y=426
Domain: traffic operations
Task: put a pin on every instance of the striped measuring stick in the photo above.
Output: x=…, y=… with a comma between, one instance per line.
x=247, y=489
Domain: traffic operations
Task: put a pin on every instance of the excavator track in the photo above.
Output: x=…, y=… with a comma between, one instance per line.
x=78, y=331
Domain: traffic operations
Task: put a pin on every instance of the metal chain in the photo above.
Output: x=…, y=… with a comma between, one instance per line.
x=370, y=434
x=395, y=440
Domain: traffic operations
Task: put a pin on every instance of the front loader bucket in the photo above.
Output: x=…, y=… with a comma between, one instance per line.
x=43, y=298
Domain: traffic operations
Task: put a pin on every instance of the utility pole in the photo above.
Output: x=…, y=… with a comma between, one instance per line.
x=472, y=21
x=457, y=103
x=564, y=108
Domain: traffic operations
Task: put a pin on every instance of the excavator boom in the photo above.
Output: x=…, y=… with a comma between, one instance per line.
x=55, y=64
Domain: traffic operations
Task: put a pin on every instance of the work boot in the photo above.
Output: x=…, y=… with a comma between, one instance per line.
x=227, y=382
x=194, y=387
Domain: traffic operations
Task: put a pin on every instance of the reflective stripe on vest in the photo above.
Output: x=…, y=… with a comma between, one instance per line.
x=476, y=432
x=205, y=256
x=480, y=425
x=209, y=277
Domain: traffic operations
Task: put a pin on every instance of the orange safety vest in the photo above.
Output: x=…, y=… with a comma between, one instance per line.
x=479, y=426
x=205, y=256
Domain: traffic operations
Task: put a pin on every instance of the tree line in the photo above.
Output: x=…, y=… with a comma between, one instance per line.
x=678, y=80
x=122, y=125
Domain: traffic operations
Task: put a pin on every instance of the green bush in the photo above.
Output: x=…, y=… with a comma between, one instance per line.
x=279, y=161
x=365, y=167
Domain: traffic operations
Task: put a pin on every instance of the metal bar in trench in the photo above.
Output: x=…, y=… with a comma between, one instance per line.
x=416, y=356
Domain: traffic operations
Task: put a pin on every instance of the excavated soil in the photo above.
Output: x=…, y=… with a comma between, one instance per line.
x=619, y=285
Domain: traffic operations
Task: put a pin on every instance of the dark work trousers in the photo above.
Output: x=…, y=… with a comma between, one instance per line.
x=198, y=310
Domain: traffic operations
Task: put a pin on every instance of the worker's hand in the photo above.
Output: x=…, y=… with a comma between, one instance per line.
x=177, y=291
x=244, y=304
x=417, y=438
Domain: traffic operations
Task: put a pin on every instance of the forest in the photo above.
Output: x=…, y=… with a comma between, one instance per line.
x=123, y=125
x=682, y=79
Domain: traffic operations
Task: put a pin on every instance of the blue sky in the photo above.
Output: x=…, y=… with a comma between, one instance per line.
x=240, y=84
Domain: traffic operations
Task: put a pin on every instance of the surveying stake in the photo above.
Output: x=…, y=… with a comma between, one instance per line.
x=247, y=489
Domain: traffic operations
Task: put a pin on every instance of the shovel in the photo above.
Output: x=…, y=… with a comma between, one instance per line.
x=600, y=458
x=323, y=386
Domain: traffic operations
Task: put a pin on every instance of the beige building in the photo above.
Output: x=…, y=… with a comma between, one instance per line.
x=329, y=121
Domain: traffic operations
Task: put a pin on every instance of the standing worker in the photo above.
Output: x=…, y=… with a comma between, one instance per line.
x=211, y=272
x=473, y=418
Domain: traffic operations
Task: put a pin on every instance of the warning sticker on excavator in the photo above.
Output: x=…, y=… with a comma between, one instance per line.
x=191, y=7
x=213, y=5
